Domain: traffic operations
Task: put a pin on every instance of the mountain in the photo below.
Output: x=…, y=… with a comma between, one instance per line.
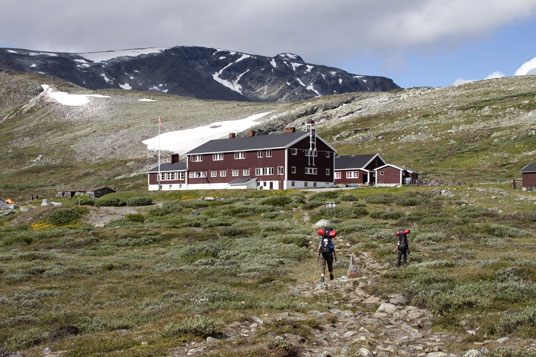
x=198, y=72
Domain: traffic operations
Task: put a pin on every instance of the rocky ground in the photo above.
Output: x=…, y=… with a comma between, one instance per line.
x=362, y=325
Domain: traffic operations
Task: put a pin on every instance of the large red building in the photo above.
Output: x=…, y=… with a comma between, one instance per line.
x=281, y=161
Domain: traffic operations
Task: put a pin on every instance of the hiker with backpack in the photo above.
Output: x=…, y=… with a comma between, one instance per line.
x=402, y=245
x=326, y=251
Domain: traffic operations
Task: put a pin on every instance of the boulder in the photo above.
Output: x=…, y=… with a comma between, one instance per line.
x=387, y=308
x=473, y=353
x=364, y=352
x=45, y=203
x=322, y=223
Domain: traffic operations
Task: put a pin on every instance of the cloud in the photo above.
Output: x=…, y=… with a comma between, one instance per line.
x=494, y=75
x=526, y=68
x=321, y=31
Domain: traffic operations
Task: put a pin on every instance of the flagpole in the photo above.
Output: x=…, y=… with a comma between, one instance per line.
x=159, y=125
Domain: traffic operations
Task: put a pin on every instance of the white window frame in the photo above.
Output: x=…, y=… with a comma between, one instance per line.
x=198, y=174
x=328, y=154
x=181, y=175
x=162, y=176
x=311, y=171
x=245, y=172
x=258, y=171
x=235, y=173
x=268, y=153
x=213, y=173
x=259, y=154
x=352, y=174
x=267, y=171
x=280, y=170
x=241, y=155
x=293, y=169
x=196, y=158
x=328, y=172
x=294, y=151
x=217, y=157
x=223, y=173
x=337, y=175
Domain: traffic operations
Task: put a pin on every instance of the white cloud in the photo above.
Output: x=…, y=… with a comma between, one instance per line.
x=321, y=31
x=526, y=68
x=494, y=75
x=460, y=81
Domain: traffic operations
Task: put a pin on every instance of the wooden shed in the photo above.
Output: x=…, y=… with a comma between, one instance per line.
x=391, y=175
x=528, y=176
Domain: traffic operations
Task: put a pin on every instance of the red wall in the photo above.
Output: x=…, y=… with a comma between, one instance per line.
x=391, y=176
x=529, y=179
x=229, y=163
x=357, y=181
x=301, y=162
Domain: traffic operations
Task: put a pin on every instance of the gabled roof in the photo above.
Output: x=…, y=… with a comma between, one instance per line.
x=355, y=161
x=529, y=168
x=260, y=142
x=397, y=167
x=176, y=166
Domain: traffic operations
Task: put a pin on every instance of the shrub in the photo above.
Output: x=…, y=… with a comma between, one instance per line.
x=84, y=200
x=231, y=231
x=520, y=320
x=65, y=216
x=301, y=240
x=194, y=326
x=139, y=201
x=349, y=197
x=135, y=217
x=277, y=201
x=382, y=198
x=387, y=215
x=110, y=202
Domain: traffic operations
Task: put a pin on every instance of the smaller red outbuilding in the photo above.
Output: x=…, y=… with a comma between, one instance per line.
x=391, y=175
x=529, y=176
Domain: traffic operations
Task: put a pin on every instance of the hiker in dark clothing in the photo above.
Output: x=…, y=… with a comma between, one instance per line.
x=326, y=252
x=402, y=245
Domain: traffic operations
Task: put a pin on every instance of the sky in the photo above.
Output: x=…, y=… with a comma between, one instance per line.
x=414, y=42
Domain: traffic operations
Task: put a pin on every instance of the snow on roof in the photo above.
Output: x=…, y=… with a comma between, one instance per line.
x=108, y=55
x=69, y=99
x=182, y=141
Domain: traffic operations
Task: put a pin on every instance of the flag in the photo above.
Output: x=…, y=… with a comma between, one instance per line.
x=160, y=122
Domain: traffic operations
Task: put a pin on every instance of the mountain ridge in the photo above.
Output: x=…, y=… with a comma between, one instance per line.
x=194, y=71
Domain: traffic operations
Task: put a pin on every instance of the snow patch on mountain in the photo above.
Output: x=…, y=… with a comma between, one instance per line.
x=182, y=141
x=103, y=56
x=125, y=86
x=69, y=99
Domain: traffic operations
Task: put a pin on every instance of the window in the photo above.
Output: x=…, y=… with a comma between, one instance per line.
x=328, y=154
x=293, y=169
x=305, y=184
x=239, y=155
x=181, y=175
x=338, y=175
x=267, y=171
x=245, y=172
x=217, y=157
x=198, y=174
x=258, y=171
x=197, y=158
x=236, y=172
x=259, y=154
x=310, y=170
x=223, y=173
x=352, y=174
x=280, y=170
x=168, y=176
x=292, y=183
x=328, y=172
x=213, y=173
x=294, y=151
x=381, y=173
x=314, y=184
x=268, y=153
x=162, y=176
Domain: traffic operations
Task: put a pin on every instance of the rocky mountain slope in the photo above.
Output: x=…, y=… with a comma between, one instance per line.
x=197, y=72
x=479, y=132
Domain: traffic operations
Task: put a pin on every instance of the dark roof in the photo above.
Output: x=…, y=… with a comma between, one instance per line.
x=242, y=181
x=176, y=166
x=353, y=161
x=248, y=143
x=529, y=168
x=80, y=189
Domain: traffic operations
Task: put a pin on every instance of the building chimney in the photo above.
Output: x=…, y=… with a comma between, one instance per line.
x=290, y=130
x=252, y=133
x=231, y=135
x=174, y=158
